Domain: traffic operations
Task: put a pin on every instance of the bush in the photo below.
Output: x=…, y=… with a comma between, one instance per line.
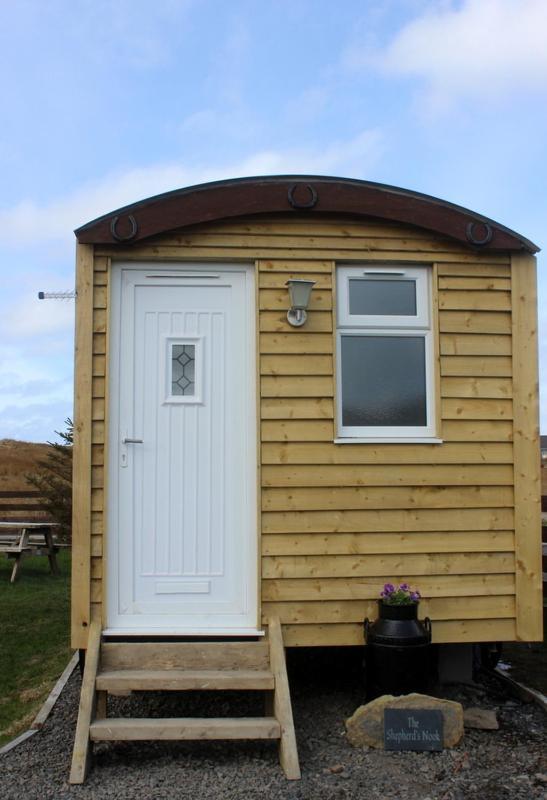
x=53, y=480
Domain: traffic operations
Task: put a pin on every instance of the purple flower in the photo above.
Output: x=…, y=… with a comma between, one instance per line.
x=404, y=595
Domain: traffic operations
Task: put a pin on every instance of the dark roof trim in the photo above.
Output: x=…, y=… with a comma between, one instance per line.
x=298, y=194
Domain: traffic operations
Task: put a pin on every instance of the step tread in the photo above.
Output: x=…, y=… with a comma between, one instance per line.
x=188, y=655
x=180, y=679
x=189, y=728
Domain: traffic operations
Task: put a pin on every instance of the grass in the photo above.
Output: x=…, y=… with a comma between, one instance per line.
x=34, y=644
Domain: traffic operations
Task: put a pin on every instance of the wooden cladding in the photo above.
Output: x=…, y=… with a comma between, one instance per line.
x=337, y=520
x=389, y=497
x=341, y=512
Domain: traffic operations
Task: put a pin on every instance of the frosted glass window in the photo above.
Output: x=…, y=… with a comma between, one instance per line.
x=376, y=297
x=383, y=381
x=183, y=370
x=385, y=353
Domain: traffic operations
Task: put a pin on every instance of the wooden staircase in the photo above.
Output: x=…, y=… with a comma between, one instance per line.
x=120, y=668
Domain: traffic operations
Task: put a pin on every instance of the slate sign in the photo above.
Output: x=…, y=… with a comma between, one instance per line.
x=412, y=729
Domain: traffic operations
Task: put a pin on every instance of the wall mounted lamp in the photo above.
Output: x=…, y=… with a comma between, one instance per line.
x=299, y=296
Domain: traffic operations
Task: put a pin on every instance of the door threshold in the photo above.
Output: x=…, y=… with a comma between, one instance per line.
x=196, y=632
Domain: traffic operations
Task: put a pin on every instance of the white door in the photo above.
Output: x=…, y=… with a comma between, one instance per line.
x=182, y=550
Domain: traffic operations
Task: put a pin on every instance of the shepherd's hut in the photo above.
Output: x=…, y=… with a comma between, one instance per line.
x=290, y=390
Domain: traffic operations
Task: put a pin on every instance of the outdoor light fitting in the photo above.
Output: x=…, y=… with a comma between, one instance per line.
x=299, y=296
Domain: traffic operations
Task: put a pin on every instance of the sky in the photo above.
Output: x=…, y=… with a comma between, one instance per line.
x=106, y=103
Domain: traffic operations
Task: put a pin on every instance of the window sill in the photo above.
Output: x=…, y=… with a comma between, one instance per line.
x=388, y=440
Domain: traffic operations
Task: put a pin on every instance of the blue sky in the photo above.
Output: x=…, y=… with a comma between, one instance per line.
x=105, y=103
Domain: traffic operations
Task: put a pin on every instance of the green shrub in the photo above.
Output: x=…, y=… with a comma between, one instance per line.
x=53, y=479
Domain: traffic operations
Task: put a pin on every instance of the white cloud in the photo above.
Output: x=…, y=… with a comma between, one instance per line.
x=127, y=31
x=29, y=223
x=479, y=48
x=35, y=422
x=309, y=104
x=25, y=362
x=11, y=385
x=203, y=121
x=29, y=316
x=36, y=336
x=35, y=392
x=236, y=122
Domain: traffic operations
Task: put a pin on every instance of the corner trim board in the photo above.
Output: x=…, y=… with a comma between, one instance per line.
x=81, y=491
x=526, y=457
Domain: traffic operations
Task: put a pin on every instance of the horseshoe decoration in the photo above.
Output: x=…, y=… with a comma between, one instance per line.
x=470, y=233
x=298, y=203
x=132, y=232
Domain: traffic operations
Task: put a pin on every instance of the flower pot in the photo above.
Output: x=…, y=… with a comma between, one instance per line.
x=398, y=651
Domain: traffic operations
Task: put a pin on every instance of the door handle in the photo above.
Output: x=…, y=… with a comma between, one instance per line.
x=123, y=449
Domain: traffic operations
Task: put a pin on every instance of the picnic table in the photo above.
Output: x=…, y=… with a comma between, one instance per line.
x=19, y=539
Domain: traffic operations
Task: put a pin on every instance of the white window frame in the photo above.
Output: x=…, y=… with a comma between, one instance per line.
x=418, y=325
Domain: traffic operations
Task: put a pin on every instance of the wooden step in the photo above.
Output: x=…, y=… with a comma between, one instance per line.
x=191, y=728
x=120, y=667
x=179, y=680
x=185, y=655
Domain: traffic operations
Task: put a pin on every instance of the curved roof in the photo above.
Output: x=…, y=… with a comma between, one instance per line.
x=309, y=195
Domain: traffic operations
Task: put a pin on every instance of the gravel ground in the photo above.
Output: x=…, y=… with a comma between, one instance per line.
x=326, y=689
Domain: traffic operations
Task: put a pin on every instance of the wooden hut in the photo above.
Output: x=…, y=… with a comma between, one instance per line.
x=234, y=469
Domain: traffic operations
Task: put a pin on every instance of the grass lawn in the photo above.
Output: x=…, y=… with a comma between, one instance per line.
x=34, y=638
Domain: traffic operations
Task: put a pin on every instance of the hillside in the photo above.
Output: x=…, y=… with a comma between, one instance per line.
x=17, y=459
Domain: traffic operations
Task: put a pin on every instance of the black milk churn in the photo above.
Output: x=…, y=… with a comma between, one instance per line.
x=398, y=659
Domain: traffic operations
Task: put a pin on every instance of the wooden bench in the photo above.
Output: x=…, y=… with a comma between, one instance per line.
x=28, y=539
x=30, y=534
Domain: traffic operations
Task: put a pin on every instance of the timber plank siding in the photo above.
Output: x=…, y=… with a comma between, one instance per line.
x=337, y=520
